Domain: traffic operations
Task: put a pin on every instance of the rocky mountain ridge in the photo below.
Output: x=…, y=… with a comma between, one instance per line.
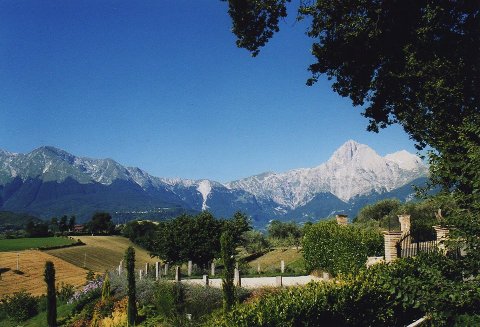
x=29, y=181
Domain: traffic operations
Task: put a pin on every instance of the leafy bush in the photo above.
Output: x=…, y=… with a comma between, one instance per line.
x=65, y=292
x=340, y=249
x=385, y=295
x=316, y=304
x=200, y=301
x=20, y=306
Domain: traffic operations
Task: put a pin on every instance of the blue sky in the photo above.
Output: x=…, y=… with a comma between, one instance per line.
x=162, y=86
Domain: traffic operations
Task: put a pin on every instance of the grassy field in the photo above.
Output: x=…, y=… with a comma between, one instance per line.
x=20, y=244
x=270, y=261
x=101, y=253
x=30, y=272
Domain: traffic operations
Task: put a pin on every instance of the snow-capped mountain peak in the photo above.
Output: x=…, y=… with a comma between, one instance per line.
x=405, y=160
x=354, y=169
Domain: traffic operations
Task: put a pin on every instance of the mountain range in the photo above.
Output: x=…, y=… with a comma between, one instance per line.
x=51, y=182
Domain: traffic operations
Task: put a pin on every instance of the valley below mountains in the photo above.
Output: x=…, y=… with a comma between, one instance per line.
x=50, y=182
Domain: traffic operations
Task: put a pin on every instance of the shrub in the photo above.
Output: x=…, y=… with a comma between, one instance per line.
x=119, y=315
x=89, y=294
x=393, y=294
x=65, y=292
x=200, y=301
x=340, y=249
x=20, y=306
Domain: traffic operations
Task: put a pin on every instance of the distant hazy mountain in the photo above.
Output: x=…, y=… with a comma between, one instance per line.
x=51, y=182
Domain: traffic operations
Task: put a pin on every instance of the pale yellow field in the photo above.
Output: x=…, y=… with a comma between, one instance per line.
x=102, y=253
x=272, y=259
x=32, y=266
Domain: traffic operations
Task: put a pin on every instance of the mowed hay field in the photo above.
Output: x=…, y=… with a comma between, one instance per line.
x=271, y=260
x=31, y=268
x=102, y=253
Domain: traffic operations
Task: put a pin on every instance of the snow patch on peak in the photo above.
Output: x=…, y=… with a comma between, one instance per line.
x=405, y=160
x=204, y=187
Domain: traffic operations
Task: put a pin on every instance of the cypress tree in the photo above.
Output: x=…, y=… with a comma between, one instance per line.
x=106, y=288
x=228, y=257
x=51, y=296
x=132, y=298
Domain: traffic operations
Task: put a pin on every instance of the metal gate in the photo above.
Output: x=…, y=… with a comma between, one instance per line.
x=408, y=246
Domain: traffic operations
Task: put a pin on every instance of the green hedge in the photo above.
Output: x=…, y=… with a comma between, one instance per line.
x=384, y=295
x=320, y=304
x=339, y=249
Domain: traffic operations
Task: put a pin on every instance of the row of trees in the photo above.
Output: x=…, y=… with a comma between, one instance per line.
x=100, y=223
x=197, y=238
x=186, y=237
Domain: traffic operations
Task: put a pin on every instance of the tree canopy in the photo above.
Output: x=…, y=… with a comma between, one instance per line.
x=101, y=222
x=412, y=62
x=415, y=63
x=195, y=238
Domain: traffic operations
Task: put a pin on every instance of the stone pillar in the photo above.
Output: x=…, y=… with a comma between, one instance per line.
x=282, y=266
x=146, y=269
x=157, y=270
x=205, y=280
x=279, y=281
x=237, y=280
x=391, y=239
x=140, y=274
x=404, y=223
x=342, y=220
x=258, y=269
x=177, y=274
x=166, y=269
x=189, y=270
x=212, y=269
x=442, y=236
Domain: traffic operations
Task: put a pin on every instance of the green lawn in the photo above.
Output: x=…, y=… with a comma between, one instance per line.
x=40, y=320
x=19, y=244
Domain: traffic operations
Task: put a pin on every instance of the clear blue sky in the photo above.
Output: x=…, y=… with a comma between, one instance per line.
x=162, y=86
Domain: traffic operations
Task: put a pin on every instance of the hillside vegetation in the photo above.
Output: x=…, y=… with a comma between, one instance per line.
x=8, y=218
x=101, y=253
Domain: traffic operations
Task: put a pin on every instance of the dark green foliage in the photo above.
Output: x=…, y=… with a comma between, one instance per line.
x=141, y=233
x=101, y=223
x=255, y=242
x=132, y=299
x=238, y=225
x=71, y=222
x=379, y=212
x=49, y=276
x=228, y=260
x=63, y=224
x=254, y=22
x=90, y=276
x=195, y=238
x=19, y=306
x=65, y=292
x=384, y=214
x=384, y=295
x=339, y=249
x=16, y=220
x=285, y=233
x=33, y=229
x=418, y=68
